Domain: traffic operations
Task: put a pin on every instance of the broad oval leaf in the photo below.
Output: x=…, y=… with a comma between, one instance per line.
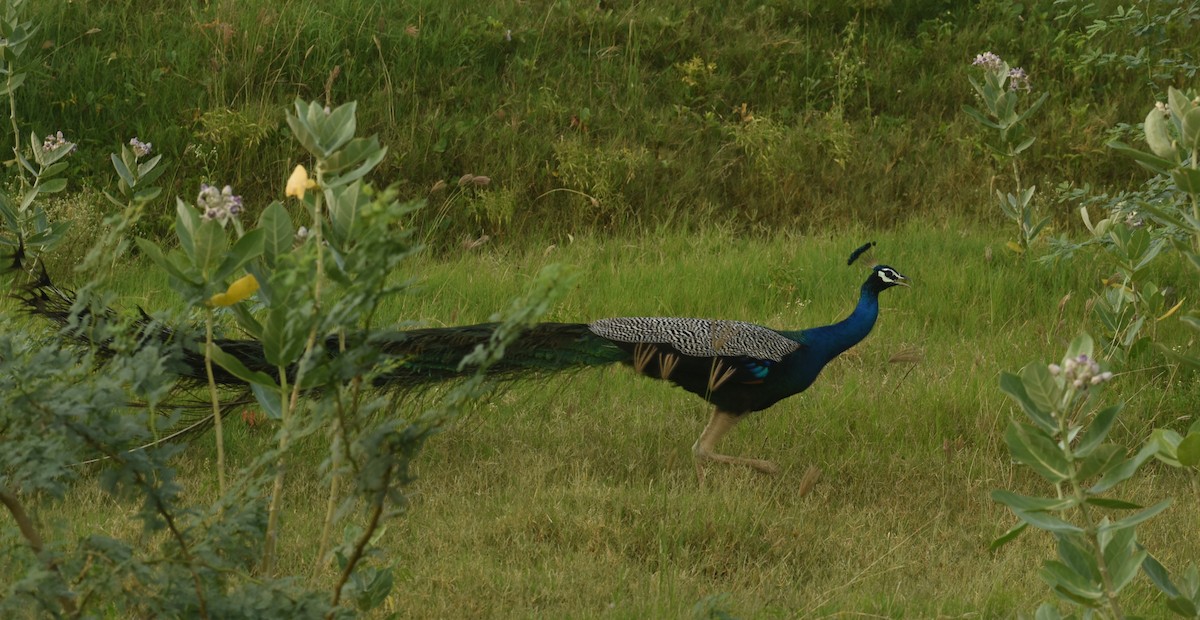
x=1102, y=460
x=1035, y=449
x=1098, y=430
x=278, y=234
x=1125, y=470
x=1041, y=387
x=1013, y=386
x=1188, y=451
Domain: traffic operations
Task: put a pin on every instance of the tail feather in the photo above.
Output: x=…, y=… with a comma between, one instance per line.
x=413, y=359
x=432, y=355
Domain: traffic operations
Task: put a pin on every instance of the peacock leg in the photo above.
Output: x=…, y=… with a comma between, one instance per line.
x=703, y=449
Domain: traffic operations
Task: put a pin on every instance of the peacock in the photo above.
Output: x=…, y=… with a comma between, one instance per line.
x=736, y=366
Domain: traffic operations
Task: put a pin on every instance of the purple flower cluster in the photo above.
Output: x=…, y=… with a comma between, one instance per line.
x=1018, y=79
x=218, y=204
x=55, y=141
x=1081, y=372
x=140, y=149
x=989, y=61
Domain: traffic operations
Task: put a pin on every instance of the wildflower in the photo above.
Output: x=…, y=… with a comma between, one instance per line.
x=1162, y=107
x=1081, y=372
x=220, y=205
x=988, y=61
x=302, y=233
x=239, y=291
x=57, y=141
x=1018, y=79
x=298, y=183
x=140, y=149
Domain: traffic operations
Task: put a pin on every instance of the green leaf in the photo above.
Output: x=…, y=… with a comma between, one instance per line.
x=1046, y=522
x=147, y=194
x=1179, y=102
x=1031, y=504
x=269, y=400
x=123, y=172
x=1187, y=179
x=1047, y=611
x=1124, y=471
x=1077, y=553
x=1159, y=576
x=246, y=320
x=1061, y=577
x=210, y=243
x=1191, y=129
x=1189, y=450
x=147, y=167
x=52, y=186
x=276, y=225
x=1151, y=162
x=285, y=332
x=1081, y=345
x=249, y=247
x=1034, y=448
x=1123, y=557
x=239, y=370
x=186, y=223
x=1041, y=387
x=1013, y=386
x=1137, y=517
x=1008, y=536
x=345, y=209
x=12, y=83
x=1116, y=504
x=1101, y=461
x=28, y=198
x=1098, y=430
x=52, y=170
x=152, y=251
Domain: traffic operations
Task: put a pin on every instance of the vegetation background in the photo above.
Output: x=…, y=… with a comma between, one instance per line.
x=709, y=159
x=794, y=115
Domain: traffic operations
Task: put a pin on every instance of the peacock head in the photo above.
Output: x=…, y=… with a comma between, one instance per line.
x=883, y=277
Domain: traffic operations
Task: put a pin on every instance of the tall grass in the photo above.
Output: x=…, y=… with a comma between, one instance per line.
x=575, y=496
x=778, y=115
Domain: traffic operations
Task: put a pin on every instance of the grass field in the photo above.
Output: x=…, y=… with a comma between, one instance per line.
x=576, y=496
x=709, y=159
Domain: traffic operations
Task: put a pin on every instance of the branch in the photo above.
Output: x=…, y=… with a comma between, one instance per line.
x=34, y=539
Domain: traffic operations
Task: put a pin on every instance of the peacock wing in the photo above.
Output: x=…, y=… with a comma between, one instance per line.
x=703, y=338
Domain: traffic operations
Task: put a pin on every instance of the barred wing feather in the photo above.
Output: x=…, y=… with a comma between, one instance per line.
x=699, y=337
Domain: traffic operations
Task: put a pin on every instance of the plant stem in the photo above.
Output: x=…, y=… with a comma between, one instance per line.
x=1110, y=594
x=12, y=117
x=272, y=535
x=359, y=547
x=216, y=401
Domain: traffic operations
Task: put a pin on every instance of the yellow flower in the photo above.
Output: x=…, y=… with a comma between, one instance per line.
x=240, y=290
x=298, y=183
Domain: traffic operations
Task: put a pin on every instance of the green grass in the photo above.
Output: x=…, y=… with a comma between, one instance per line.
x=576, y=496
x=778, y=115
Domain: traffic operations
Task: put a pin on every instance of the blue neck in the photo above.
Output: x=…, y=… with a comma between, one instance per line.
x=831, y=340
